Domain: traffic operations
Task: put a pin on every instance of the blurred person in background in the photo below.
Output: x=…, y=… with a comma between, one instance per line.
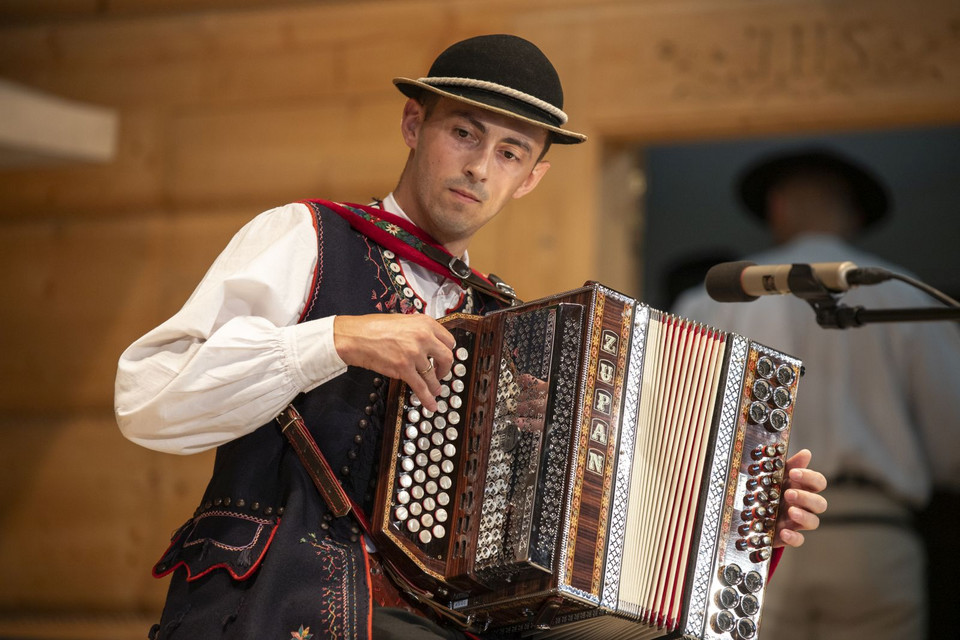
x=880, y=405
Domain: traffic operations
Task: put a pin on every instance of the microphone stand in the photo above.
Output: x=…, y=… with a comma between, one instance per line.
x=833, y=315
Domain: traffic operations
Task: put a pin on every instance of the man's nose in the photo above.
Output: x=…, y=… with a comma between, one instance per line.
x=477, y=166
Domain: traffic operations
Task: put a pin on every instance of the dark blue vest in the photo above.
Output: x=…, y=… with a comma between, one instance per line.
x=262, y=557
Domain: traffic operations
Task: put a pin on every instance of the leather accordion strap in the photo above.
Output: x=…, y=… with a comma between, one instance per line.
x=293, y=427
x=389, y=585
x=411, y=243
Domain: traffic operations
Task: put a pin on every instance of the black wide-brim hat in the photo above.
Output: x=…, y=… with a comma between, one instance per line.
x=501, y=73
x=868, y=191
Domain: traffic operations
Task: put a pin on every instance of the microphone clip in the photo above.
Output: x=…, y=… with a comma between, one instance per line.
x=830, y=314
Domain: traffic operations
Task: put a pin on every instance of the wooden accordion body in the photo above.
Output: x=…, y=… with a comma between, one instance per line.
x=597, y=468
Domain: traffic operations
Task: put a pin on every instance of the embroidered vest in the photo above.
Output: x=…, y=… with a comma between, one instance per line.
x=262, y=557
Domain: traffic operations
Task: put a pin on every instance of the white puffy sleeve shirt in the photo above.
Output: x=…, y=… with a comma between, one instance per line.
x=234, y=356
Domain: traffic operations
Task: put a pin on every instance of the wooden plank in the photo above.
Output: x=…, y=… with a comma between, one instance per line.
x=90, y=514
x=349, y=150
x=133, y=182
x=728, y=68
x=81, y=312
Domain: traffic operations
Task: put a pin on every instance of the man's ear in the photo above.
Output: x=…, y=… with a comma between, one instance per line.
x=410, y=122
x=533, y=179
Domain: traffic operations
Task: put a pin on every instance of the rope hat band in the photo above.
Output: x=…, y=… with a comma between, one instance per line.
x=501, y=73
x=499, y=88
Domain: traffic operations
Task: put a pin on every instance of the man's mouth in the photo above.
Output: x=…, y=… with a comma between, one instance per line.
x=466, y=195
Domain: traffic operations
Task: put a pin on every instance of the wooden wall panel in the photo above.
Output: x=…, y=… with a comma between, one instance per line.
x=88, y=512
x=83, y=292
x=285, y=152
x=133, y=182
x=703, y=69
x=231, y=107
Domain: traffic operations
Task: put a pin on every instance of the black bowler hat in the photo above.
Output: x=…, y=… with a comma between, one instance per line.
x=868, y=191
x=501, y=73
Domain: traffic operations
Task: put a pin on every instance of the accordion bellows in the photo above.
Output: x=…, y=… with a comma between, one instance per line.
x=596, y=468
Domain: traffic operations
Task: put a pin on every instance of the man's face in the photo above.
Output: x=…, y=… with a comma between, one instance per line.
x=465, y=164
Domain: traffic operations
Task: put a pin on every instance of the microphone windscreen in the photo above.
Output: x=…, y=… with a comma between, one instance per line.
x=723, y=282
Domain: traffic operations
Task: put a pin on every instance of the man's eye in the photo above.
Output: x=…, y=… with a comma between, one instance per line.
x=462, y=133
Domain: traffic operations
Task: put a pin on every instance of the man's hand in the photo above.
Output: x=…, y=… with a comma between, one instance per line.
x=411, y=347
x=800, y=503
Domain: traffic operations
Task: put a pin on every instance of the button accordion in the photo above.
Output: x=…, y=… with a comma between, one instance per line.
x=595, y=468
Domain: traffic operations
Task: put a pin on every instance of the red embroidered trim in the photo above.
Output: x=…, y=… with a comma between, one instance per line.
x=223, y=565
x=318, y=268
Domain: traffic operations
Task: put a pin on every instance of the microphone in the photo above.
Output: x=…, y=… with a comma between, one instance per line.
x=745, y=281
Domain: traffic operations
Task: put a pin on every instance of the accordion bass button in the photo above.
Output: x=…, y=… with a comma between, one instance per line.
x=785, y=375
x=758, y=412
x=728, y=598
x=782, y=397
x=732, y=574
x=765, y=367
x=762, y=390
x=753, y=581
x=749, y=605
x=778, y=420
x=723, y=622
x=746, y=628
